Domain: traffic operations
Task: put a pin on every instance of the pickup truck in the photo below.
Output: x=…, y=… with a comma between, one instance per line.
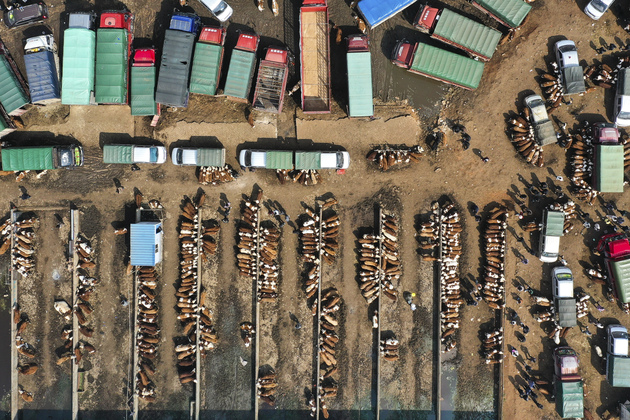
x=616, y=250
x=567, y=383
x=287, y=159
x=552, y=230
x=129, y=153
x=563, y=297
x=617, y=360
x=608, y=159
x=41, y=158
x=571, y=72
x=198, y=156
x=543, y=127
x=42, y=64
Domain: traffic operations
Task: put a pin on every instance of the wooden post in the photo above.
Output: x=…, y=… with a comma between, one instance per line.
x=197, y=333
x=14, y=353
x=378, y=300
x=257, y=315
x=74, y=233
x=134, y=341
x=438, y=322
x=319, y=311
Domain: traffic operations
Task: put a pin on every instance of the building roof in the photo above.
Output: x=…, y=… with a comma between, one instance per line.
x=144, y=241
x=376, y=12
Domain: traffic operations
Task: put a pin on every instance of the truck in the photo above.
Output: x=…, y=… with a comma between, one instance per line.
x=550, y=233
x=79, y=51
x=131, y=153
x=241, y=70
x=567, y=383
x=42, y=69
x=13, y=89
x=114, y=38
x=436, y=63
x=207, y=61
x=510, y=13
x=271, y=81
x=200, y=156
x=617, y=360
x=563, y=297
x=359, y=65
x=288, y=159
x=179, y=40
x=143, y=76
x=447, y=26
x=376, y=12
x=315, y=57
x=571, y=72
x=616, y=250
x=608, y=159
x=544, y=133
x=41, y=158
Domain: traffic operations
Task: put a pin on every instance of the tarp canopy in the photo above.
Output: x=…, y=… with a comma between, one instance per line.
x=77, y=78
x=573, y=80
x=554, y=223
x=545, y=133
x=618, y=370
x=621, y=273
x=240, y=72
x=12, y=96
x=41, y=72
x=609, y=168
x=466, y=32
x=172, y=87
x=279, y=159
x=143, y=91
x=27, y=158
x=146, y=243
x=567, y=312
x=570, y=399
x=111, y=66
x=360, y=102
x=211, y=157
x=117, y=153
x=308, y=160
x=376, y=12
x=447, y=66
x=206, y=68
x=511, y=12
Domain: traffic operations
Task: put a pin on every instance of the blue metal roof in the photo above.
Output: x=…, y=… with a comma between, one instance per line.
x=376, y=12
x=144, y=241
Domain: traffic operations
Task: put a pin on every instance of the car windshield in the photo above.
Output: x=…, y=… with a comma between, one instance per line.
x=624, y=115
x=564, y=276
x=154, y=154
x=599, y=5
x=220, y=8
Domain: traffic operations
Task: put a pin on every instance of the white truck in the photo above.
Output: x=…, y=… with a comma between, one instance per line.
x=287, y=159
x=552, y=230
x=131, y=153
x=617, y=360
x=563, y=297
x=185, y=156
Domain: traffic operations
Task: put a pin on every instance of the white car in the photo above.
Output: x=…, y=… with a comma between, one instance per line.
x=220, y=9
x=596, y=8
x=622, y=99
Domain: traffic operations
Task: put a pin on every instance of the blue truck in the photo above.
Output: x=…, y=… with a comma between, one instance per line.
x=174, y=73
x=376, y=12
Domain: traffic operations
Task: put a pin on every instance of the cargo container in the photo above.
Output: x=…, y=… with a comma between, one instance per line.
x=271, y=81
x=143, y=76
x=42, y=64
x=41, y=158
x=241, y=70
x=315, y=57
x=114, y=38
x=510, y=13
x=206, y=68
x=13, y=88
x=79, y=50
x=359, y=64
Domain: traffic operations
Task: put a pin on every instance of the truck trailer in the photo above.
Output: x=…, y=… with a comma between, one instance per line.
x=206, y=68
x=79, y=51
x=13, y=89
x=315, y=57
x=567, y=383
x=114, y=38
x=608, y=159
x=510, y=13
x=271, y=81
x=42, y=69
x=241, y=70
x=143, y=76
x=359, y=65
x=41, y=158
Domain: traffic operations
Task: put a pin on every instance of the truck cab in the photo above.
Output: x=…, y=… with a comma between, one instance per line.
x=605, y=133
x=616, y=250
x=144, y=58
x=68, y=157
x=83, y=20
x=335, y=160
x=427, y=18
x=403, y=53
x=552, y=230
x=617, y=340
x=563, y=297
x=185, y=22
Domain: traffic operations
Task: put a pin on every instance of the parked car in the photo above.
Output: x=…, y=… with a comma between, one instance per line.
x=622, y=98
x=596, y=8
x=571, y=71
x=543, y=127
x=130, y=153
x=563, y=298
x=25, y=15
x=219, y=8
x=617, y=360
x=552, y=229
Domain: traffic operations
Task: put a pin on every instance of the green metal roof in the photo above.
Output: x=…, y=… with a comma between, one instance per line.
x=609, y=168
x=206, y=68
x=77, y=83
x=447, y=66
x=12, y=96
x=512, y=12
x=570, y=399
x=308, y=160
x=111, y=66
x=554, y=223
x=211, y=157
x=618, y=371
x=113, y=153
x=143, y=91
x=27, y=158
x=621, y=273
x=279, y=159
x=467, y=33
x=240, y=72
x=360, y=102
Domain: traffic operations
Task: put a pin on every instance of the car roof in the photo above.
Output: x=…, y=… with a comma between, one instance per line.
x=26, y=12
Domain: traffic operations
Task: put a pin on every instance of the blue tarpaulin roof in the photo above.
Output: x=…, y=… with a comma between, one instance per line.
x=376, y=12
x=146, y=243
x=42, y=76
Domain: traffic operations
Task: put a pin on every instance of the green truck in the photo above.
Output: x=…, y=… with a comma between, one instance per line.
x=436, y=63
x=79, y=51
x=132, y=153
x=242, y=65
x=113, y=51
x=143, y=77
x=206, y=67
x=510, y=13
x=13, y=89
x=359, y=60
x=617, y=360
x=567, y=383
x=608, y=159
x=40, y=158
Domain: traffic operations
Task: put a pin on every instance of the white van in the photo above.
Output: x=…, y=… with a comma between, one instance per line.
x=552, y=229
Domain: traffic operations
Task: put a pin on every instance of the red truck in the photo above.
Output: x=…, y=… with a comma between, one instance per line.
x=242, y=65
x=271, y=81
x=616, y=250
x=114, y=38
x=207, y=61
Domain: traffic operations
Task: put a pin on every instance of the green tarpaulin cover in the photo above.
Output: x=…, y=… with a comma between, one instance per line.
x=609, y=168
x=467, y=33
x=27, y=158
x=12, y=96
x=618, y=370
x=511, y=12
x=570, y=399
x=279, y=159
x=240, y=72
x=117, y=153
x=111, y=66
x=554, y=223
x=308, y=160
x=206, y=68
x=360, y=102
x=77, y=82
x=211, y=157
x=447, y=66
x=621, y=272
x=143, y=91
